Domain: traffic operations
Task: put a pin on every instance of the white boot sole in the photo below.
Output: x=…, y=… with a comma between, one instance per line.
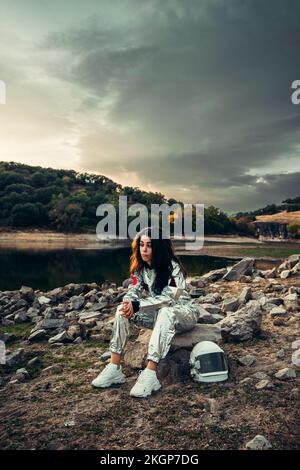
x=155, y=389
x=108, y=384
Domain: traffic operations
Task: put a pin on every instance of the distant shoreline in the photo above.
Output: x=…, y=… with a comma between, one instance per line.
x=39, y=235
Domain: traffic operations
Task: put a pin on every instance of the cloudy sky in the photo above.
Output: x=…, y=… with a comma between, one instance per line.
x=190, y=98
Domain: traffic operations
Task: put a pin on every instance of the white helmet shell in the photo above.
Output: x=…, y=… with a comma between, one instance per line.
x=208, y=363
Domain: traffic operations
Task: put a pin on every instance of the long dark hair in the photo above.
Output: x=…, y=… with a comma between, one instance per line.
x=162, y=256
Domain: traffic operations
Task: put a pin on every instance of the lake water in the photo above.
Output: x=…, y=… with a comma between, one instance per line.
x=48, y=269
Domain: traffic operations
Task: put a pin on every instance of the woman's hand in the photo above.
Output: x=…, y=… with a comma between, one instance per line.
x=127, y=309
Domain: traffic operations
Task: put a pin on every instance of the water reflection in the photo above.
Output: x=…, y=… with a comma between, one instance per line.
x=46, y=270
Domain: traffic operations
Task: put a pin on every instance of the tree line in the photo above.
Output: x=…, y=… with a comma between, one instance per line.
x=66, y=200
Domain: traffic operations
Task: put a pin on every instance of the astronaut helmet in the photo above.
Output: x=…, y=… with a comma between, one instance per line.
x=208, y=363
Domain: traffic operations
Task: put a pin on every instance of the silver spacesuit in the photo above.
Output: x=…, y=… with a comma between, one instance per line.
x=173, y=311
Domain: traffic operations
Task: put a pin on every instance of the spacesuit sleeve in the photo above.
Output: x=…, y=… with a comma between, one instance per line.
x=173, y=292
x=135, y=289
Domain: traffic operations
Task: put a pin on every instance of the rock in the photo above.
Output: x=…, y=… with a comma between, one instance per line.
x=94, y=314
x=105, y=356
x=34, y=362
x=21, y=375
x=213, y=406
x=43, y=300
x=199, y=333
x=214, y=275
x=32, y=312
x=278, y=312
x=69, y=424
x=77, y=330
x=135, y=352
x=285, y=374
x=291, y=302
x=260, y=376
x=257, y=279
x=262, y=384
x=280, y=354
x=212, y=298
x=56, y=345
x=97, y=337
x=273, y=300
x=294, y=290
x=50, y=324
x=78, y=340
x=6, y=322
x=21, y=317
x=27, y=293
x=50, y=313
x=271, y=273
x=243, y=267
x=258, y=443
x=267, y=307
x=174, y=367
x=206, y=317
x=243, y=324
x=296, y=268
x=246, y=279
x=127, y=282
x=279, y=322
x=198, y=282
x=105, y=333
x=196, y=292
x=76, y=302
x=38, y=335
x=230, y=304
x=285, y=274
x=213, y=309
x=62, y=337
x=246, y=381
x=54, y=369
x=247, y=360
x=15, y=357
x=245, y=296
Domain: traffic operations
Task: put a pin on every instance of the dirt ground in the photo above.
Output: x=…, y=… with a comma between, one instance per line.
x=63, y=411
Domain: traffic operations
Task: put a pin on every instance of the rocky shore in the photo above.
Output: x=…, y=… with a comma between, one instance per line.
x=57, y=341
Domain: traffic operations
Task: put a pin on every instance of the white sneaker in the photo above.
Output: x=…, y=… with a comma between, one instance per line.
x=110, y=375
x=146, y=383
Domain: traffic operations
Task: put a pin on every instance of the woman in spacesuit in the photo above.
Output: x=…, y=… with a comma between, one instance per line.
x=157, y=299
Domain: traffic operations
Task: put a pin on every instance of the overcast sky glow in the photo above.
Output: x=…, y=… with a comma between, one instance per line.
x=190, y=98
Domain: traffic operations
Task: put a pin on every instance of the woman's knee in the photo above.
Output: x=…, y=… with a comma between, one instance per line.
x=165, y=314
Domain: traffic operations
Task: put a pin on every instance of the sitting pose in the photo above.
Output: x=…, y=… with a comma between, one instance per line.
x=167, y=308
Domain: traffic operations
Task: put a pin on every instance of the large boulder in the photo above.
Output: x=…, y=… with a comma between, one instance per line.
x=175, y=366
x=242, y=325
x=243, y=267
x=215, y=275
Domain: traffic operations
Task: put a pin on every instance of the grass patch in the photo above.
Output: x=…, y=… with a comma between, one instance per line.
x=94, y=344
x=272, y=252
x=19, y=330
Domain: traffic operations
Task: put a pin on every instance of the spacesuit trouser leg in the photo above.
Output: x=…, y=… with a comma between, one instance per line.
x=121, y=327
x=169, y=321
x=120, y=333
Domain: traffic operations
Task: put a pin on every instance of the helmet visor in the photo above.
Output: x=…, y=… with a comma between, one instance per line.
x=212, y=362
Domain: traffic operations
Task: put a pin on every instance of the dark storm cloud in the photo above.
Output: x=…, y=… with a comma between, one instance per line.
x=209, y=81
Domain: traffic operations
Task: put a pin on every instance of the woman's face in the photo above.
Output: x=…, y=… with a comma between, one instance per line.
x=146, y=249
